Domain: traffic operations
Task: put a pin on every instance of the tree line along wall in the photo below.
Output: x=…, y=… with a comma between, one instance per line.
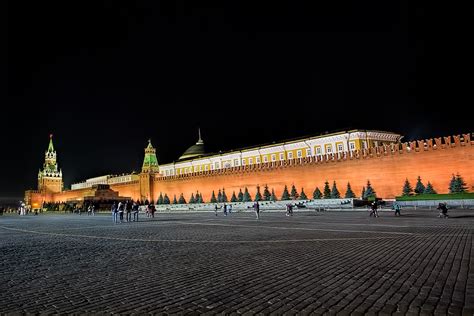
x=386, y=167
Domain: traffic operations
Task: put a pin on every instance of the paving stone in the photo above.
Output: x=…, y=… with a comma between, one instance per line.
x=332, y=263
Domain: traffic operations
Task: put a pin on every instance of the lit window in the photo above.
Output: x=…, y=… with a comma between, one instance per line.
x=290, y=155
x=274, y=158
x=299, y=154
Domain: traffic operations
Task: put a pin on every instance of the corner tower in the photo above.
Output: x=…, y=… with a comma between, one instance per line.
x=149, y=168
x=50, y=179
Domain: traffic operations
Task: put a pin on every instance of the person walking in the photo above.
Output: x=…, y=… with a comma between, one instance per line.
x=397, y=209
x=128, y=208
x=215, y=209
x=229, y=208
x=93, y=209
x=225, y=209
x=121, y=207
x=114, y=212
x=374, y=209
x=135, y=210
x=256, y=206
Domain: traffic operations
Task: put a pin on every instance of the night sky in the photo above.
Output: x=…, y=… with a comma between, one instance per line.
x=103, y=78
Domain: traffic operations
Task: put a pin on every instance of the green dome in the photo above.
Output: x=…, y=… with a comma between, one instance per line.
x=195, y=150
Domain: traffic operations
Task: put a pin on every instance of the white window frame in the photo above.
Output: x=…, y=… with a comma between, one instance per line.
x=257, y=160
x=274, y=158
x=216, y=165
x=352, y=145
x=328, y=149
x=282, y=156
x=299, y=153
x=236, y=162
x=308, y=152
x=265, y=158
x=318, y=150
x=250, y=161
x=206, y=168
x=340, y=148
x=290, y=155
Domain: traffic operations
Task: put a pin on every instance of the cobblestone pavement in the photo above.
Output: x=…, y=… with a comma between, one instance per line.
x=310, y=263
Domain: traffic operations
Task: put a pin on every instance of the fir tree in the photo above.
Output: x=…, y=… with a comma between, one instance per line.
x=181, y=199
x=166, y=199
x=349, y=193
x=303, y=195
x=460, y=185
x=327, y=191
x=146, y=202
x=233, y=198
x=174, y=200
x=362, y=195
x=246, y=197
x=266, y=194
x=429, y=189
x=407, y=189
x=317, y=194
x=370, y=192
x=258, y=195
x=219, y=196
x=213, y=197
x=200, y=199
x=191, y=199
x=294, y=194
x=419, y=187
x=335, y=192
x=196, y=197
x=273, y=196
x=285, y=196
x=240, y=196
x=160, y=199
x=224, y=196
x=152, y=201
x=452, y=185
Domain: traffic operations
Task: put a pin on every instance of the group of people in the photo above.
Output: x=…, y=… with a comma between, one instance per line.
x=227, y=209
x=127, y=207
x=442, y=207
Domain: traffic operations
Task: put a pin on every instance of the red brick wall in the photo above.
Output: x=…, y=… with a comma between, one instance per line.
x=386, y=172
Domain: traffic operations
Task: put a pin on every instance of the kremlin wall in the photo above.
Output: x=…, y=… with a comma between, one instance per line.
x=352, y=156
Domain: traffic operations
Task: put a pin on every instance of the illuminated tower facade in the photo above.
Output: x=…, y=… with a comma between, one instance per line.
x=149, y=168
x=50, y=179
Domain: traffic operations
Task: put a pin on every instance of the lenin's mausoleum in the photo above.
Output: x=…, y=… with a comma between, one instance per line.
x=354, y=157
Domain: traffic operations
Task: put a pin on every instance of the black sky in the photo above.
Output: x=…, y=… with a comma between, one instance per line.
x=104, y=77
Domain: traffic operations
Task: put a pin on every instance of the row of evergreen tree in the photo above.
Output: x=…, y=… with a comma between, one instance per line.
x=456, y=185
x=267, y=195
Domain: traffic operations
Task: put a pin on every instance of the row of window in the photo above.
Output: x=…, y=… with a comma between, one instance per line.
x=273, y=157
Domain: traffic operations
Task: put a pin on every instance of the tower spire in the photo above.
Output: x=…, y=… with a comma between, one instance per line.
x=50, y=147
x=200, y=139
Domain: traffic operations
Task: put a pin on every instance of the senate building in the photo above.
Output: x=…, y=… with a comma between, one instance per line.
x=353, y=156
